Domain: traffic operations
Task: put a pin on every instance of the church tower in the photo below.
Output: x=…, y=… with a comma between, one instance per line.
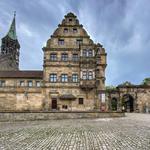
x=9, y=55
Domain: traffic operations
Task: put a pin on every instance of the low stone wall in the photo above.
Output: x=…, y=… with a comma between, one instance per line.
x=24, y=116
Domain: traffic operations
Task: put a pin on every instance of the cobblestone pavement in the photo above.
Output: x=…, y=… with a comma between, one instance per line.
x=129, y=133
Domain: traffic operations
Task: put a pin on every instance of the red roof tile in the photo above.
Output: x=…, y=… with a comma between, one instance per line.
x=21, y=74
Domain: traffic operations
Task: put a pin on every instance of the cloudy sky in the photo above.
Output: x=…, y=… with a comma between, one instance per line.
x=121, y=26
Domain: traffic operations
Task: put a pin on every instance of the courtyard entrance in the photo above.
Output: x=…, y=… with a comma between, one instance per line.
x=128, y=103
x=54, y=103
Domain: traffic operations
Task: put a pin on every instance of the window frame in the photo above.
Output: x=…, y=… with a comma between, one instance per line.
x=90, y=75
x=30, y=83
x=2, y=83
x=37, y=84
x=20, y=83
x=75, y=30
x=64, y=57
x=75, y=58
x=61, y=41
x=75, y=78
x=79, y=41
x=53, y=56
x=81, y=101
x=64, y=78
x=53, y=78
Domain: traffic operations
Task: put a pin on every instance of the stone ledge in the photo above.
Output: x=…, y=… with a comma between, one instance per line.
x=26, y=116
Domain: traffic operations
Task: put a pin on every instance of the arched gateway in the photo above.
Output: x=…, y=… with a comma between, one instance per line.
x=128, y=103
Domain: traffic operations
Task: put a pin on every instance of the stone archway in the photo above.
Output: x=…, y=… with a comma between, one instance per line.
x=114, y=104
x=128, y=103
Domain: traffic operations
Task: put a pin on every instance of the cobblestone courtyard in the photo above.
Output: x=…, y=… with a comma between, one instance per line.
x=129, y=133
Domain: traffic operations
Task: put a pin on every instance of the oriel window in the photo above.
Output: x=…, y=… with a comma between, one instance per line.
x=90, y=53
x=84, y=75
x=90, y=75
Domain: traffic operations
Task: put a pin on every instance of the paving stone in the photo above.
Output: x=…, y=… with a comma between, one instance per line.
x=129, y=133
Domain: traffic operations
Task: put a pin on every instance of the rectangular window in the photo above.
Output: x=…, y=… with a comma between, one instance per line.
x=61, y=42
x=2, y=83
x=79, y=41
x=64, y=78
x=75, y=57
x=75, y=78
x=30, y=83
x=65, y=30
x=84, y=75
x=53, y=77
x=64, y=57
x=75, y=30
x=22, y=83
x=38, y=83
x=90, y=75
x=53, y=57
x=84, y=52
x=81, y=101
x=90, y=53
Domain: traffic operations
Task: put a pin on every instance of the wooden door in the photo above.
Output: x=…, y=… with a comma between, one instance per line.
x=54, y=103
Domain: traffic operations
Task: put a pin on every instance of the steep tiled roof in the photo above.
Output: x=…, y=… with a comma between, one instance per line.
x=22, y=74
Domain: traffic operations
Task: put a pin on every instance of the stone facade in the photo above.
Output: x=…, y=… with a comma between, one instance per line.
x=73, y=76
x=130, y=98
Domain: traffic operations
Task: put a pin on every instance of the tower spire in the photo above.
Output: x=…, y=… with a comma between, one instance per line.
x=12, y=30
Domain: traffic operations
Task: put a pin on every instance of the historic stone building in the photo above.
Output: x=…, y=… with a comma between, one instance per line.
x=129, y=97
x=73, y=76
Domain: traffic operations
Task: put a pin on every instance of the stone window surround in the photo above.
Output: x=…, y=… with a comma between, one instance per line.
x=87, y=53
x=75, y=78
x=34, y=83
x=72, y=30
x=87, y=74
x=53, y=77
x=64, y=77
x=53, y=56
x=81, y=101
x=64, y=56
x=61, y=41
x=68, y=80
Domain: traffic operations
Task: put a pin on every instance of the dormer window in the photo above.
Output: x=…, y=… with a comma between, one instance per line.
x=65, y=30
x=61, y=42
